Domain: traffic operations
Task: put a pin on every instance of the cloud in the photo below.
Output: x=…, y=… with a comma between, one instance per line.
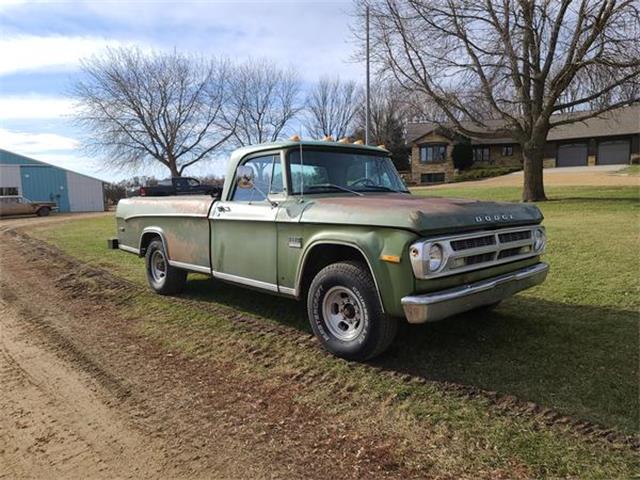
x=28, y=107
x=33, y=52
x=34, y=144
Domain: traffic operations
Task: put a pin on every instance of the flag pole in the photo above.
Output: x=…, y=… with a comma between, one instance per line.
x=368, y=87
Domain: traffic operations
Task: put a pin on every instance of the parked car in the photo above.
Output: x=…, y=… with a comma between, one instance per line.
x=333, y=225
x=179, y=186
x=19, y=205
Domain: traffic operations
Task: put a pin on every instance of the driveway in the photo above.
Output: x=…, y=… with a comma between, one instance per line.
x=603, y=175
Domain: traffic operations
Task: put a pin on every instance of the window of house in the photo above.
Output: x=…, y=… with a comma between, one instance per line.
x=6, y=191
x=507, y=150
x=432, y=177
x=433, y=153
x=481, y=154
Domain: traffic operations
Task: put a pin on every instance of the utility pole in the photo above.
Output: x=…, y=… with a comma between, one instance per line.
x=368, y=87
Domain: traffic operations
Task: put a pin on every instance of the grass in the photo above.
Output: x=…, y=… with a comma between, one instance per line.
x=633, y=170
x=570, y=344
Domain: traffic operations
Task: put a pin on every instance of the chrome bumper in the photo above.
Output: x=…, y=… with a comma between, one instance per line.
x=431, y=307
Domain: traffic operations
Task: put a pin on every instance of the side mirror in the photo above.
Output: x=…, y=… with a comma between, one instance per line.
x=245, y=176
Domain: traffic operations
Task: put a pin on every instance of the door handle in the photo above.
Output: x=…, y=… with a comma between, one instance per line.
x=222, y=208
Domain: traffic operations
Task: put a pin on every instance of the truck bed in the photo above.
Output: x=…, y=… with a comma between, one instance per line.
x=181, y=221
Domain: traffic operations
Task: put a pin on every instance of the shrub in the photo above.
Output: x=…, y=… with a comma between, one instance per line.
x=484, y=172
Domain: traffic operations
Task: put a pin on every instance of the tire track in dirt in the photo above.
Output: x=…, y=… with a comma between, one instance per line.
x=52, y=424
x=203, y=419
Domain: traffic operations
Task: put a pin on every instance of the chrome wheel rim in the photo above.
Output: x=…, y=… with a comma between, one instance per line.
x=343, y=313
x=158, y=266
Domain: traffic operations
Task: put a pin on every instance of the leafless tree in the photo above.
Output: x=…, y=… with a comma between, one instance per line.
x=504, y=68
x=265, y=98
x=390, y=110
x=331, y=107
x=139, y=108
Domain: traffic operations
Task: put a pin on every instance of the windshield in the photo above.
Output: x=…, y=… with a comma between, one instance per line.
x=324, y=171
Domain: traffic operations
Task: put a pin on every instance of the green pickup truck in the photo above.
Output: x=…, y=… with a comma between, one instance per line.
x=332, y=224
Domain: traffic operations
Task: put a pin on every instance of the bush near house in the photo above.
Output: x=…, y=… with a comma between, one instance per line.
x=478, y=173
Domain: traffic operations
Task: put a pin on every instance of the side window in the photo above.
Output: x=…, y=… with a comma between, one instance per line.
x=277, y=180
x=267, y=178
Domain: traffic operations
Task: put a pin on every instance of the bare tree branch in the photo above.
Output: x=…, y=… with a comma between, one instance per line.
x=264, y=100
x=331, y=107
x=503, y=68
x=141, y=108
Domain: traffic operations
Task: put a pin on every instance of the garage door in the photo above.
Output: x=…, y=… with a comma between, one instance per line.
x=613, y=152
x=572, y=155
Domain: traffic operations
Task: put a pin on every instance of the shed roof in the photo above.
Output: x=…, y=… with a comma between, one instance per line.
x=12, y=158
x=621, y=121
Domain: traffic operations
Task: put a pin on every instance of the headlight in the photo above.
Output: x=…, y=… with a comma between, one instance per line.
x=435, y=257
x=539, y=239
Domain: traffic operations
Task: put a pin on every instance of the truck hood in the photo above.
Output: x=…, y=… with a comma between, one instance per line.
x=426, y=216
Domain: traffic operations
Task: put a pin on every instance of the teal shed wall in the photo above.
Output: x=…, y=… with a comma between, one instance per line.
x=49, y=184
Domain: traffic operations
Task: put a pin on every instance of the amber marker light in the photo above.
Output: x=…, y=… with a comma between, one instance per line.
x=358, y=142
x=295, y=138
x=390, y=258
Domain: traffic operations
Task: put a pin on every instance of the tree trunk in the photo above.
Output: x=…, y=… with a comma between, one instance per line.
x=174, y=168
x=532, y=156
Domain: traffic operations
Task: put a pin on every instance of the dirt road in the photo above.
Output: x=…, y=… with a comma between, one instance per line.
x=53, y=421
x=84, y=395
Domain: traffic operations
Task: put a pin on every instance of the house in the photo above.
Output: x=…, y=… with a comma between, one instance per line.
x=40, y=181
x=612, y=138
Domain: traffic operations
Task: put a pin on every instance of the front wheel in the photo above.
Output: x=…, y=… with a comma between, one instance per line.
x=162, y=277
x=345, y=312
x=43, y=212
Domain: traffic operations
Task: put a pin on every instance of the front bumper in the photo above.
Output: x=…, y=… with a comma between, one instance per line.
x=431, y=307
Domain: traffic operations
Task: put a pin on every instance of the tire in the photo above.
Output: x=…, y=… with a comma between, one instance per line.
x=345, y=312
x=162, y=277
x=43, y=212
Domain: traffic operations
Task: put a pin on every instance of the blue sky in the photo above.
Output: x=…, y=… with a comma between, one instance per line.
x=42, y=43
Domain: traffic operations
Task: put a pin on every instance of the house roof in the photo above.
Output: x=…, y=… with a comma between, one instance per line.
x=621, y=121
x=12, y=158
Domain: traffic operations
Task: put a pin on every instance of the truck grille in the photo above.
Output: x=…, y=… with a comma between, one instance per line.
x=485, y=249
x=475, y=242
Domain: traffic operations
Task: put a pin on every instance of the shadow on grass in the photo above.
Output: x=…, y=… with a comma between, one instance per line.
x=581, y=360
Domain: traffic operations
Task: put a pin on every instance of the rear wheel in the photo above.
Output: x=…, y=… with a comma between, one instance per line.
x=43, y=212
x=345, y=312
x=162, y=277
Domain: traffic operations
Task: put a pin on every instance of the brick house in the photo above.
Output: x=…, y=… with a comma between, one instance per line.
x=612, y=138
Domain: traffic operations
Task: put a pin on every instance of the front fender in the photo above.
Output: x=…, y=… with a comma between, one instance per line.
x=393, y=280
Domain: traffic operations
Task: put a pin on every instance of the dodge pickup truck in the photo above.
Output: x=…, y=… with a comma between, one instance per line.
x=332, y=224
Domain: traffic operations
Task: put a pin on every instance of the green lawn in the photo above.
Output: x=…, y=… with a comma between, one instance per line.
x=633, y=170
x=571, y=344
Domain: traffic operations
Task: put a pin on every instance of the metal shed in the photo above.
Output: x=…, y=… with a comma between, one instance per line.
x=40, y=181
